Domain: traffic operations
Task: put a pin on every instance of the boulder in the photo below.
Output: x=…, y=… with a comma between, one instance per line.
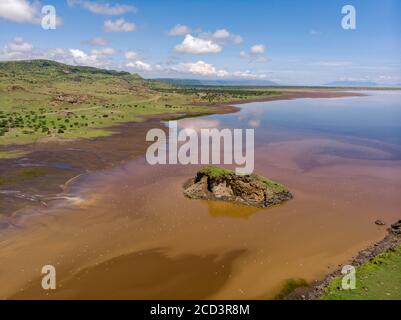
x=396, y=227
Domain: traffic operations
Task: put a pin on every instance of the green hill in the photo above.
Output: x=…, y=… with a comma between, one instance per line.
x=46, y=99
x=42, y=98
x=53, y=68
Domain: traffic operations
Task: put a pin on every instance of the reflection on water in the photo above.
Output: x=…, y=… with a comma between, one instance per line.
x=366, y=120
x=224, y=209
x=339, y=157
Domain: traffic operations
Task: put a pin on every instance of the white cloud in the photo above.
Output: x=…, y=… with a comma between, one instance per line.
x=197, y=46
x=258, y=49
x=200, y=68
x=236, y=39
x=98, y=41
x=17, y=49
x=81, y=57
x=139, y=65
x=103, y=8
x=131, y=55
x=20, y=11
x=103, y=52
x=179, y=30
x=23, y=11
x=19, y=45
x=119, y=25
x=96, y=58
x=244, y=55
x=205, y=69
x=221, y=34
x=248, y=74
x=256, y=53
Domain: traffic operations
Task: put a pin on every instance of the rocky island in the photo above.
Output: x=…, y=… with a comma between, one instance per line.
x=215, y=183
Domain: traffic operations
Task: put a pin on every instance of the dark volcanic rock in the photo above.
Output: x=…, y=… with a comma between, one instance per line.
x=396, y=227
x=213, y=183
x=380, y=223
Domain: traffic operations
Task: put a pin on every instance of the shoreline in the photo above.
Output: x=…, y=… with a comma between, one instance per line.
x=317, y=288
x=106, y=152
x=115, y=165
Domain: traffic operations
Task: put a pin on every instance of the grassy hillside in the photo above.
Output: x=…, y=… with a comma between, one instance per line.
x=46, y=99
x=378, y=279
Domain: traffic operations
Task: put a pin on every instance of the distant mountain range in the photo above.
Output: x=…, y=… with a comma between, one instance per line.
x=360, y=84
x=352, y=84
x=198, y=82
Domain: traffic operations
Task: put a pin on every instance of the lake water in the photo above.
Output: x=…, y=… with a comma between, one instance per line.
x=130, y=233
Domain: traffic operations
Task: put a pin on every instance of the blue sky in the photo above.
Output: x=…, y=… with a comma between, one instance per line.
x=290, y=42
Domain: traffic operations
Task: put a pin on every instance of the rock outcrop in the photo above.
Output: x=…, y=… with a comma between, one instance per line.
x=396, y=227
x=213, y=183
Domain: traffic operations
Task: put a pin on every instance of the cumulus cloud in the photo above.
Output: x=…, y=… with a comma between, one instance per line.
x=16, y=49
x=197, y=46
x=103, y=8
x=236, y=39
x=258, y=49
x=21, y=11
x=179, y=30
x=139, y=65
x=19, y=49
x=243, y=55
x=200, y=68
x=97, y=41
x=256, y=53
x=248, y=74
x=131, y=55
x=103, y=52
x=81, y=57
x=120, y=25
x=96, y=58
x=19, y=45
x=221, y=36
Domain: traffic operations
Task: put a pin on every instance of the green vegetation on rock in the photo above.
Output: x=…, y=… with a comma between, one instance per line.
x=215, y=172
x=219, y=172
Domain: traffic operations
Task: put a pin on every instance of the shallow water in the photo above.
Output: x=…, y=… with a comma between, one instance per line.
x=130, y=233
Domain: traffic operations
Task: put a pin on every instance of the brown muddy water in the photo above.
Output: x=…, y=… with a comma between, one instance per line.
x=128, y=232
